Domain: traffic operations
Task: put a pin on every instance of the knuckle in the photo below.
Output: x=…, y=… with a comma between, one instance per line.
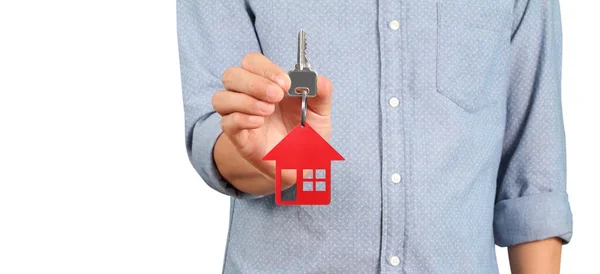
x=254, y=107
x=224, y=125
x=237, y=118
x=271, y=74
x=251, y=85
x=247, y=59
x=254, y=54
x=227, y=76
x=266, y=72
x=216, y=99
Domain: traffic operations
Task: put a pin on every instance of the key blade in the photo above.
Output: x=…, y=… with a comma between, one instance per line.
x=302, y=60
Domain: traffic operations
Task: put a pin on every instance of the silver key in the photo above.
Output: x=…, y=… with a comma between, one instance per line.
x=303, y=78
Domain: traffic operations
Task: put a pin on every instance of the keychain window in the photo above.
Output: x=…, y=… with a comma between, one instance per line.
x=314, y=180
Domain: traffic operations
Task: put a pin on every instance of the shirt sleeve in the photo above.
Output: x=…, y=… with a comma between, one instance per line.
x=531, y=198
x=212, y=35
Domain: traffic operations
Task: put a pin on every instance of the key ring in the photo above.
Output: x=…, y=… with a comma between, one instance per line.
x=304, y=107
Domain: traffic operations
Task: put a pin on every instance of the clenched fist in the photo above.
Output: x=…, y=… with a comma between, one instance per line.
x=256, y=114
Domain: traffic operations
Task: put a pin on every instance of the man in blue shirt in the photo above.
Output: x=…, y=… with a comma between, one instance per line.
x=448, y=114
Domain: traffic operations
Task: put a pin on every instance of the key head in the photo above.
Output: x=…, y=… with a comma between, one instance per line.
x=305, y=79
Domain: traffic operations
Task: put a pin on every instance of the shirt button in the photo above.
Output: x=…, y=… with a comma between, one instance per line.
x=394, y=102
x=396, y=178
x=394, y=260
x=394, y=25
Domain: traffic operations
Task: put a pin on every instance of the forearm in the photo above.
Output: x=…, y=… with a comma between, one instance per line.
x=536, y=257
x=239, y=172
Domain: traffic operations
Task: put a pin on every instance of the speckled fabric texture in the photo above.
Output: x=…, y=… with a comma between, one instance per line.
x=473, y=155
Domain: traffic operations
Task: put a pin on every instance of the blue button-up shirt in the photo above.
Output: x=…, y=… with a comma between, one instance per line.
x=447, y=112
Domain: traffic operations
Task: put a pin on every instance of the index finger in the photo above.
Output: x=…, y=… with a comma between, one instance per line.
x=259, y=64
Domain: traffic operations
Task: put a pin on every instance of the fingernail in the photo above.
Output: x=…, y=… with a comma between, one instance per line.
x=273, y=92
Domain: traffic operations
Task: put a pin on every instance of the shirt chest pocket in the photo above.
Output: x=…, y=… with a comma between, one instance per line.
x=472, y=52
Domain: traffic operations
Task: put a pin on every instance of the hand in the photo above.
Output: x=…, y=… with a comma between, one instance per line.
x=257, y=113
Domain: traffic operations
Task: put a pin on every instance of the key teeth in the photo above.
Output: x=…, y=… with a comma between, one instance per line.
x=302, y=62
x=305, y=55
x=305, y=46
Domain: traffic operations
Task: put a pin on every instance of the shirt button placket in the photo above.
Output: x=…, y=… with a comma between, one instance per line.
x=392, y=135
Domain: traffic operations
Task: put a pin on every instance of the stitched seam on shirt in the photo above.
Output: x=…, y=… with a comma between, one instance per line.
x=547, y=193
x=233, y=199
x=381, y=256
x=404, y=47
x=504, y=229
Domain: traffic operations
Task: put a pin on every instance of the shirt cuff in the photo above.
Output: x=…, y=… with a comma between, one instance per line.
x=205, y=135
x=532, y=218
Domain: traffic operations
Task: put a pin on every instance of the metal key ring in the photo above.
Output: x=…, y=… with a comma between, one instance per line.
x=304, y=107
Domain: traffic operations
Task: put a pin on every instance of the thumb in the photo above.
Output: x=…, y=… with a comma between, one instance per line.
x=321, y=104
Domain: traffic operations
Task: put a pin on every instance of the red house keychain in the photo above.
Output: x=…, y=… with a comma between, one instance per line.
x=303, y=149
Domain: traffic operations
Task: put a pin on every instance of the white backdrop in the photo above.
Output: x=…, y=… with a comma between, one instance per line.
x=94, y=177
